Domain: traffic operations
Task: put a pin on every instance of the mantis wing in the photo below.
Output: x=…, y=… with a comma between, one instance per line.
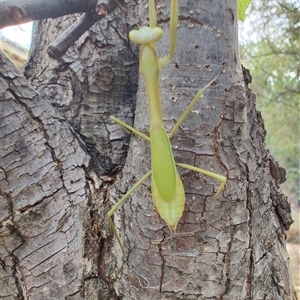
x=167, y=189
x=163, y=164
x=170, y=211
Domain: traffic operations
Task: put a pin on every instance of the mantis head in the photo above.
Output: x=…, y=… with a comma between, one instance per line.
x=145, y=35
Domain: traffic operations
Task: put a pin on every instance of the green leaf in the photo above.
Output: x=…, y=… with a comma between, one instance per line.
x=242, y=6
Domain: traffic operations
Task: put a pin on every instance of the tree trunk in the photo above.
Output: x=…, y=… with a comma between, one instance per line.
x=61, y=156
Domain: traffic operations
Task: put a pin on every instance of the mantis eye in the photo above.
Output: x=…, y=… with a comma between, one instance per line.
x=145, y=35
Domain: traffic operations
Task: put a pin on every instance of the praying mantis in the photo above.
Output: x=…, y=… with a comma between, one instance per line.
x=168, y=193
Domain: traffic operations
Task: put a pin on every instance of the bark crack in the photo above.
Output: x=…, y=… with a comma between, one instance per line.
x=219, y=139
x=19, y=280
x=41, y=127
x=162, y=265
x=227, y=265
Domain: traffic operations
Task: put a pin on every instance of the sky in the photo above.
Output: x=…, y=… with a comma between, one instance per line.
x=20, y=34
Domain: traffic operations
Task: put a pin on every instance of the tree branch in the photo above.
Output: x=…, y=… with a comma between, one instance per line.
x=61, y=44
x=14, y=12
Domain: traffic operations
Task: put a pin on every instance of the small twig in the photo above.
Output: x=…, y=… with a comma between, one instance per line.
x=62, y=43
x=14, y=12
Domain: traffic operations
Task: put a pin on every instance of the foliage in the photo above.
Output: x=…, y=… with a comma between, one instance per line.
x=242, y=6
x=273, y=56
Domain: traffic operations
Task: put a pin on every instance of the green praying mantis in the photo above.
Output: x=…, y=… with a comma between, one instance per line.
x=166, y=186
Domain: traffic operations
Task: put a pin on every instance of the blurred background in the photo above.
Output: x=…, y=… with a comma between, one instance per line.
x=15, y=42
x=270, y=49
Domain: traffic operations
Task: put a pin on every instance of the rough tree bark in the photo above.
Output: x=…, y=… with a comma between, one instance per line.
x=60, y=170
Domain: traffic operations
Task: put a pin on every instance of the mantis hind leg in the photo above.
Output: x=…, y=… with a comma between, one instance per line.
x=220, y=178
x=134, y=187
x=120, y=202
